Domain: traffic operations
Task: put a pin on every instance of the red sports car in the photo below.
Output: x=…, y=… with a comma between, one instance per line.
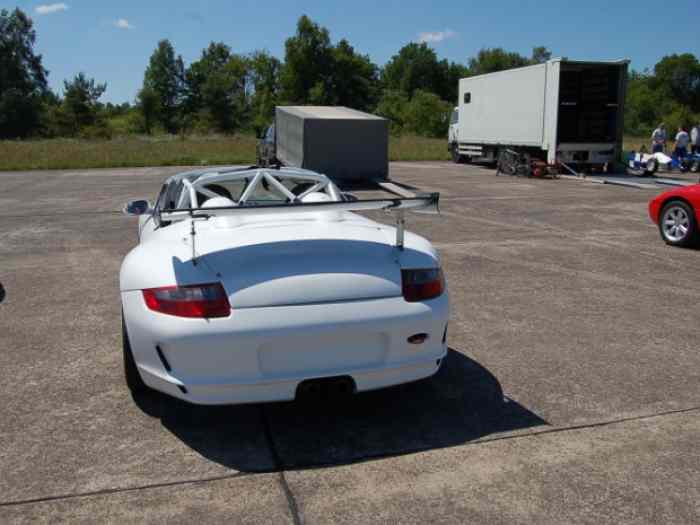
x=677, y=213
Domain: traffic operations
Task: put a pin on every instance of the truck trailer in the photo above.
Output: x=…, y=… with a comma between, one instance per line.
x=561, y=111
x=342, y=143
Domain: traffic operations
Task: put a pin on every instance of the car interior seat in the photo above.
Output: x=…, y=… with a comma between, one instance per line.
x=218, y=202
x=218, y=189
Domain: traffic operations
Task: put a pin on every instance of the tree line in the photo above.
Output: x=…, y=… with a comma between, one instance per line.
x=227, y=92
x=668, y=93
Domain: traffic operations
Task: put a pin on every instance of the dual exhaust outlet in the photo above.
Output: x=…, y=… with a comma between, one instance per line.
x=326, y=388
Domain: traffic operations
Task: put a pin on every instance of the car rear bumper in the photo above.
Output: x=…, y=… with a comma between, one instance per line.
x=262, y=354
x=282, y=389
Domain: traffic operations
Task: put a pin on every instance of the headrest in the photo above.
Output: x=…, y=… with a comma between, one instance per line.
x=316, y=196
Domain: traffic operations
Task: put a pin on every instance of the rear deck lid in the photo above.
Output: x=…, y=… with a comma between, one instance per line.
x=308, y=263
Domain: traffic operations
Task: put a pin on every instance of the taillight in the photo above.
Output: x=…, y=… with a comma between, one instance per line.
x=421, y=285
x=199, y=300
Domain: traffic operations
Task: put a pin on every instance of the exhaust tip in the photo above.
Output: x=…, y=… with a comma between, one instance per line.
x=325, y=389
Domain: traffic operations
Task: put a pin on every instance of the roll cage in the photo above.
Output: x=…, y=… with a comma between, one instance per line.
x=255, y=180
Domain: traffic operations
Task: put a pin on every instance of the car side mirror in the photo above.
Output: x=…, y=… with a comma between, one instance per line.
x=139, y=207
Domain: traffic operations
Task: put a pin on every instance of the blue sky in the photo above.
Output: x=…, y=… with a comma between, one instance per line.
x=111, y=41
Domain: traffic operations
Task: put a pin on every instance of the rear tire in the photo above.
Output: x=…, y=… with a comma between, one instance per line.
x=131, y=371
x=678, y=225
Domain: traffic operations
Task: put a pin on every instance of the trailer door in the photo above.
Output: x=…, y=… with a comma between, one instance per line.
x=588, y=103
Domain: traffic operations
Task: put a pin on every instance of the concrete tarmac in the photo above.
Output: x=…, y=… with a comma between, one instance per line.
x=571, y=393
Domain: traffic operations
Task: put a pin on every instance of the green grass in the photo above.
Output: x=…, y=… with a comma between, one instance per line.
x=130, y=151
x=410, y=147
x=136, y=151
x=634, y=143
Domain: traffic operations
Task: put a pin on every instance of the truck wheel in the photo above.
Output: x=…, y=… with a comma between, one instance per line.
x=456, y=157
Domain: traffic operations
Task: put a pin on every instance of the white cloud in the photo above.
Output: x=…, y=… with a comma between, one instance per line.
x=123, y=23
x=436, y=36
x=50, y=8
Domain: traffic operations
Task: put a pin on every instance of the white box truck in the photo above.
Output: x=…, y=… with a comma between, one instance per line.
x=562, y=111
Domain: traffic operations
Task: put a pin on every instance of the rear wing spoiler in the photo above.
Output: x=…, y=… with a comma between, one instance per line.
x=425, y=202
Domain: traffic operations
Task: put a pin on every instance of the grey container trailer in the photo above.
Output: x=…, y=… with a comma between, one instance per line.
x=563, y=110
x=342, y=143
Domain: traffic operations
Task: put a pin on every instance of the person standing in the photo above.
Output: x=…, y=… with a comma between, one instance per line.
x=680, y=148
x=658, y=139
x=695, y=139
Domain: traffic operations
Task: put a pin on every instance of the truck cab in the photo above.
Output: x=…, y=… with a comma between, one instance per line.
x=453, y=136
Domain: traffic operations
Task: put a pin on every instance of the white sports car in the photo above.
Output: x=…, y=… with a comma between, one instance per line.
x=257, y=284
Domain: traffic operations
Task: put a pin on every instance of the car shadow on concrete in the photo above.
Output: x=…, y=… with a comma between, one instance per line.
x=463, y=402
x=2, y=293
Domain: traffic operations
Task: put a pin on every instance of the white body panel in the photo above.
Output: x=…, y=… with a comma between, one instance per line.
x=505, y=108
x=313, y=295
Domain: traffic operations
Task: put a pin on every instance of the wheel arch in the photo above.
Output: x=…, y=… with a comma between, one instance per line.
x=678, y=198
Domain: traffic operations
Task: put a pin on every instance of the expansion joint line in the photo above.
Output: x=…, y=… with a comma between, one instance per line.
x=288, y=494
